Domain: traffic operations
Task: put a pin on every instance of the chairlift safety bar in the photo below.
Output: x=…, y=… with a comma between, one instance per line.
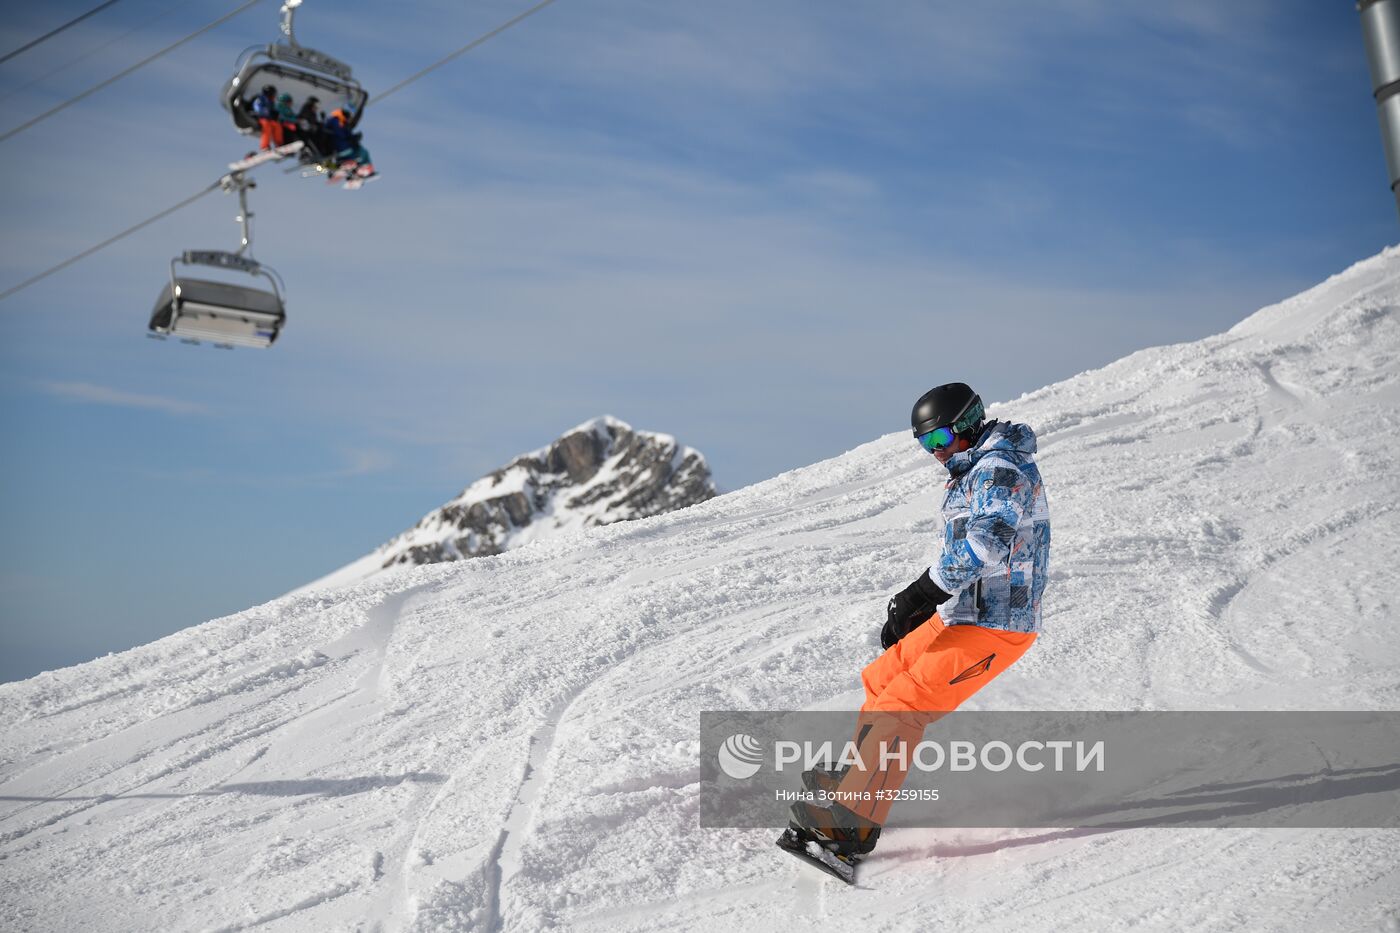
x=220, y=259
x=309, y=58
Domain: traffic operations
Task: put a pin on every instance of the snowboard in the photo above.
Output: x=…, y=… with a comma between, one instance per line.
x=809, y=850
x=276, y=154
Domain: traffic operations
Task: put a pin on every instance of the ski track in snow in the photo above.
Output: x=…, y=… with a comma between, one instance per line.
x=510, y=743
x=506, y=863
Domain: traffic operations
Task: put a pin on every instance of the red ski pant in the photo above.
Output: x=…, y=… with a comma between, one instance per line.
x=271, y=130
x=927, y=674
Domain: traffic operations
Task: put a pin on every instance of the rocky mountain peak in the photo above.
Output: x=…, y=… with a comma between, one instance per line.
x=601, y=472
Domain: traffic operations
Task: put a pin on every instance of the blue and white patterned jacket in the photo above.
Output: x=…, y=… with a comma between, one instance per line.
x=996, y=533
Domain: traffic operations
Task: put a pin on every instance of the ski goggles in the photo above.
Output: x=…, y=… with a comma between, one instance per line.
x=937, y=439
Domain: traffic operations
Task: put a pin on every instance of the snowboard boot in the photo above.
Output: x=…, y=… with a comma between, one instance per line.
x=838, y=830
x=342, y=171
x=823, y=780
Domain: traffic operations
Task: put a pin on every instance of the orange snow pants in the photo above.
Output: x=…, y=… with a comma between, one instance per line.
x=271, y=133
x=927, y=674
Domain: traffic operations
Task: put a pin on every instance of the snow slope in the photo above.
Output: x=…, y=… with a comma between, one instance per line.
x=511, y=742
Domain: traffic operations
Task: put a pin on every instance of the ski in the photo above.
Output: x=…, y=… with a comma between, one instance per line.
x=811, y=851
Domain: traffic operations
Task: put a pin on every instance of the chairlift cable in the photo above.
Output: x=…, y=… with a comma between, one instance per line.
x=217, y=184
x=91, y=52
x=462, y=51
x=122, y=74
x=53, y=32
x=109, y=241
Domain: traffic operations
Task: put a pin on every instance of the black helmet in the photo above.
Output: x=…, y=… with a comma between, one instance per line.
x=269, y=89
x=953, y=405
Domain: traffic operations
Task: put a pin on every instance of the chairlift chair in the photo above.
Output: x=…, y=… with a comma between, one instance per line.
x=293, y=69
x=223, y=313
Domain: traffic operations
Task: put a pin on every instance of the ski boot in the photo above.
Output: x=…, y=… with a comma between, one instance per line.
x=833, y=839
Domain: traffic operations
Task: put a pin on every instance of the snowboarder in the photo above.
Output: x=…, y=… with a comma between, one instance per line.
x=264, y=107
x=287, y=116
x=352, y=156
x=309, y=119
x=964, y=621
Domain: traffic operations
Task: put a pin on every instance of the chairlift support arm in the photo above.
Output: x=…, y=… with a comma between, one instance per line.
x=240, y=182
x=289, y=12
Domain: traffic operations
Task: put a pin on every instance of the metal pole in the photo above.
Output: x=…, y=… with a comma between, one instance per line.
x=1380, y=29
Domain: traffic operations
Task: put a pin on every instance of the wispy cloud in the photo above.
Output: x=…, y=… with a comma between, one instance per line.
x=103, y=395
x=355, y=463
x=362, y=463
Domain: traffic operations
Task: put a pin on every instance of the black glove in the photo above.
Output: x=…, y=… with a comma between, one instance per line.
x=911, y=607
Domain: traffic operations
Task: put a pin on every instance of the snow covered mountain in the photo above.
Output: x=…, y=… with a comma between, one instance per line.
x=599, y=473
x=510, y=743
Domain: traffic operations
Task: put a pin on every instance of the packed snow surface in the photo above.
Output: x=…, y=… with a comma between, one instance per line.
x=511, y=742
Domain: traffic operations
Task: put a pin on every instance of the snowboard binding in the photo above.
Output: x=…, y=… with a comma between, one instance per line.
x=813, y=850
x=833, y=840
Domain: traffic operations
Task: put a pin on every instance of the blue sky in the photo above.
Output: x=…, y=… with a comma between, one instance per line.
x=764, y=228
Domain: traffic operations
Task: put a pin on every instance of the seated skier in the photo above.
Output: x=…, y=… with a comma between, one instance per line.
x=264, y=108
x=351, y=155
